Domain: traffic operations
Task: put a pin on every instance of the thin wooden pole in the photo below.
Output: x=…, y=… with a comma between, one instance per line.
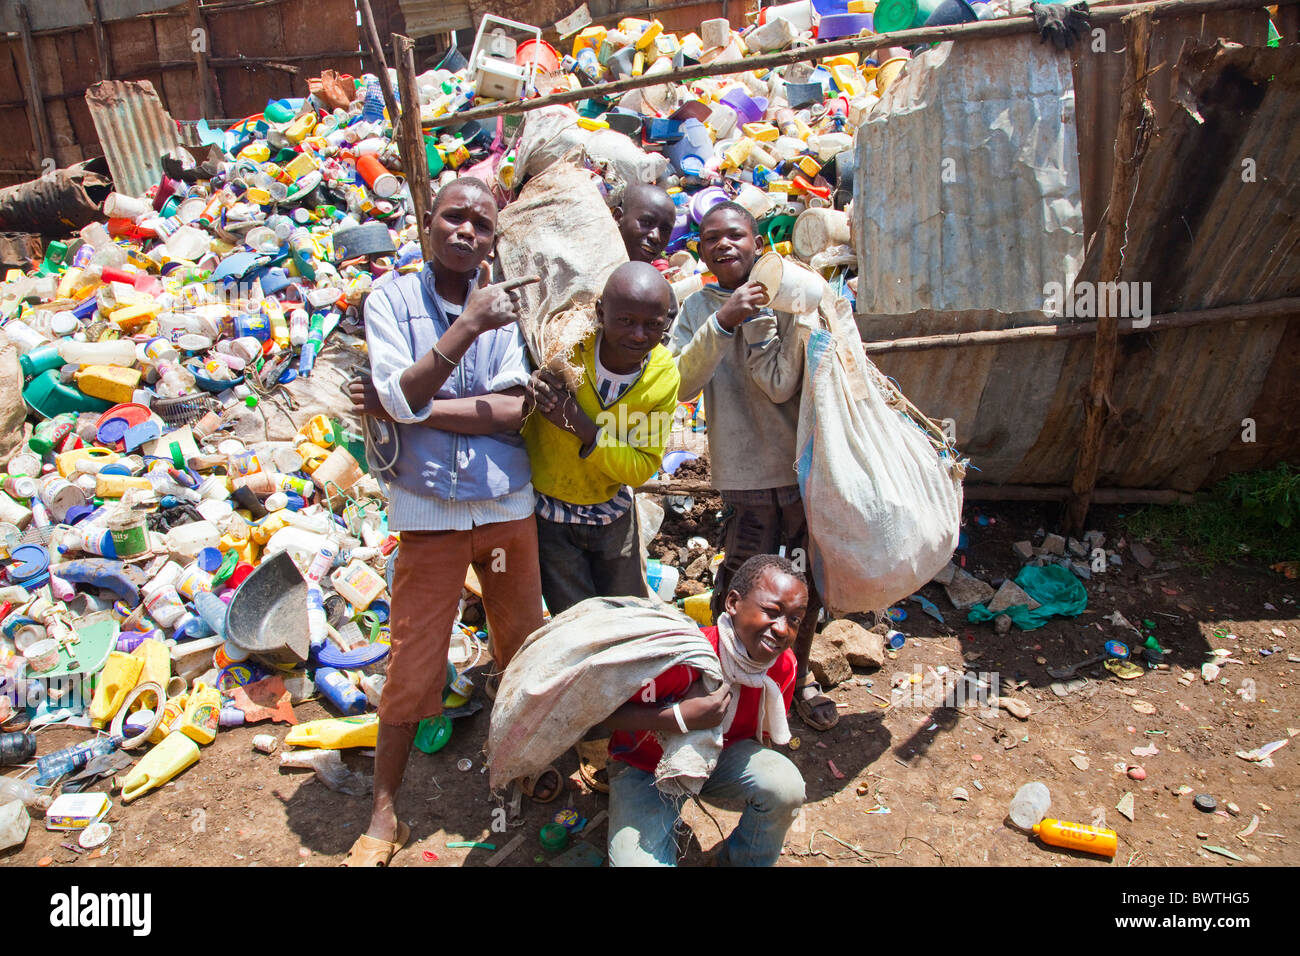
x=415, y=162
x=1272, y=309
x=101, y=41
x=1135, y=111
x=982, y=30
x=377, y=54
x=210, y=104
x=35, y=101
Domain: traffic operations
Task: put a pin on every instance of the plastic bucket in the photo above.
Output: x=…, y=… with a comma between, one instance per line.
x=704, y=200
x=548, y=60
x=758, y=202
x=790, y=287
x=843, y=25
x=950, y=12
x=816, y=230
x=894, y=15
x=801, y=14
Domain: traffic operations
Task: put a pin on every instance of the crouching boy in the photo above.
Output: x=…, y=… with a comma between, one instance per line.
x=765, y=605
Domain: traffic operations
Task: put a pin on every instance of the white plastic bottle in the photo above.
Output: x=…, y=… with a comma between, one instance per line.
x=117, y=352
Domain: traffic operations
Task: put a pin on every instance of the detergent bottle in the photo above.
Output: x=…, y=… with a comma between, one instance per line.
x=119, y=676
x=202, y=714
x=169, y=758
x=336, y=733
x=172, y=712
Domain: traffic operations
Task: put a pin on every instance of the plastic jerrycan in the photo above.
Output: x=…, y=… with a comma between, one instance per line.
x=169, y=758
x=118, y=678
x=336, y=733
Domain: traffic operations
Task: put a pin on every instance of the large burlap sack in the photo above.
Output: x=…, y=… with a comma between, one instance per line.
x=580, y=668
x=552, y=132
x=561, y=230
x=881, y=487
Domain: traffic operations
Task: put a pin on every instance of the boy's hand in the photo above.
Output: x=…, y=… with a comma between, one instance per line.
x=743, y=304
x=545, y=391
x=365, y=399
x=704, y=711
x=495, y=306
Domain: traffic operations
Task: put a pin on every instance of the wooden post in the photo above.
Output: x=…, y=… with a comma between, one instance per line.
x=1134, y=112
x=210, y=105
x=101, y=40
x=35, y=100
x=377, y=53
x=410, y=140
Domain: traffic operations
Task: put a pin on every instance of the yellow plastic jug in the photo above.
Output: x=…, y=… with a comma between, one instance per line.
x=116, y=680
x=67, y=461
x=172, y=712
x=697, y=607
x=159, y=765
x=109, y=382
x=202, y=714
x=336, y=733
x=157, y=664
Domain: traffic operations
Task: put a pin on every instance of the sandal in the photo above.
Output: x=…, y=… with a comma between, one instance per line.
x=593, y=757
x=491, y=686
x=805, y=705
x=369, y=851
x=530, y=785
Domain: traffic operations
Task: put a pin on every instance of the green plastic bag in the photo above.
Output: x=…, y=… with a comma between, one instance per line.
x=1052, y=586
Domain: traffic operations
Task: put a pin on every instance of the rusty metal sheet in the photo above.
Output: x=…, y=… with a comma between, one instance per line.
x=967, y=182
x=1204, y=236
x=426, y=17
x=52, y=14
x=1098, y=74
x=134, y=130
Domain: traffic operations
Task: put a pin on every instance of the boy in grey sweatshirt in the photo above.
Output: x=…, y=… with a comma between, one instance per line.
x=748, y=360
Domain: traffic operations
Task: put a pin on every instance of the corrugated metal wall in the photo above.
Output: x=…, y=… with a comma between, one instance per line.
x=1204, y=235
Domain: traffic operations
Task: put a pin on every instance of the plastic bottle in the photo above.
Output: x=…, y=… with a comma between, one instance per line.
x=1030, y=805
x=339, y=691
x=119, y=352
x=335, y=733
x=1078, y=836
x=16, y=749
x=53, y=766
x=298, y=327
x=202, y=714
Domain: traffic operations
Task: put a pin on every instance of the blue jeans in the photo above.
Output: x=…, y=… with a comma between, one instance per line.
x=764, y=784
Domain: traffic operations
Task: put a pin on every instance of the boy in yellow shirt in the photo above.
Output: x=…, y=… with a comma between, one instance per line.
x=590, y=450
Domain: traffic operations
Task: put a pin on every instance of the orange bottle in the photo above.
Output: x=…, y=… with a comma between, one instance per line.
x=1078, y=836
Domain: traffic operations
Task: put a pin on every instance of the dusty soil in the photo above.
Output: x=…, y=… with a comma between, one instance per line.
x=880, y=789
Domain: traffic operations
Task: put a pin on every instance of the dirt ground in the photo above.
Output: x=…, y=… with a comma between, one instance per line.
x=880, y=788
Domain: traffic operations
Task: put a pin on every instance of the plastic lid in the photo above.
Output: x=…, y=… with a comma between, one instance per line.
x=209, y=560
x=29, y=561
x=331, y=656
x=112, y=431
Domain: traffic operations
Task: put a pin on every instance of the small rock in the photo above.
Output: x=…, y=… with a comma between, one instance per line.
x=1077, y=548
x=1081, y=570
x=1115, y=560
x=859, y=646
x=828, y=663
x=1233, y=809
x=696, y=569
x=1023, y=550
x=1054, y=544
x=966, y=590
x=1080, y=761
x=1137, y=773
x=945, y=575
x=1125, y=806
x=1010, y=595
x=1094, y=539
x=1144, y=707
x=1002, y=624
x=1141, y=554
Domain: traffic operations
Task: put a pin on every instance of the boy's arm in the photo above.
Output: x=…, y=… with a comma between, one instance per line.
x=700, y=711
x=635, y=464
x=697, y=352
x=772, y=355
x=390, y=358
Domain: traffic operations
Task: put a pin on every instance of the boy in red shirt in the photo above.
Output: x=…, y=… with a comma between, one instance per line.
x=765, y=606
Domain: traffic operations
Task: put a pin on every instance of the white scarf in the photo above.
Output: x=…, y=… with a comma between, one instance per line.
x=739, y=668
